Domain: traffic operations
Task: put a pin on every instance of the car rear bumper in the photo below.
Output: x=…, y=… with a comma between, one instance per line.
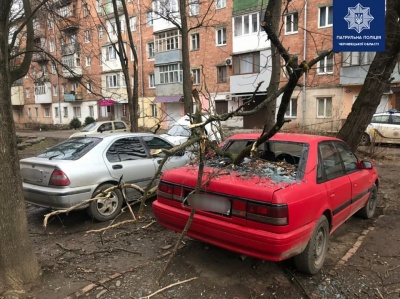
x=244, y=240
x=56, y=198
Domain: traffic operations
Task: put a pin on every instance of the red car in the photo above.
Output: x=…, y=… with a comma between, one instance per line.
x=283, y=203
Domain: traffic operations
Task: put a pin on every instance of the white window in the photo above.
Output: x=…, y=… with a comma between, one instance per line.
x=325, y=66
x=29, y=112
x=150, y=50
x=152, y=81
x=112, y=81
x=153, y=110
x=27, y=93
x=171, y=73
x=325, y=16
x=149, y=19
x=91, y=111
x=246, y=63
x=52, y=45
x=98, y=6
x=246, y=24
x=357, y=58
x=55, y=111
x=87, y=36
x=195, y=41
x=40, y=89
x=291, y=23
x=64, y=88
x=88, y=60
x=46, y=112
x=132, y=23
x=196, y=76
x=100, y=31
x=76, y=111
x=111, y=54
x=221, y=36
x=53, y=69
x=193, y=7
x=167, y=41
x=221, y=4
x=37, y=111
x=85, y=10
x=221, y=74
x=55, y=90
x=89, y=86
x=291, y=110
x=324, y=107
x=65, y=110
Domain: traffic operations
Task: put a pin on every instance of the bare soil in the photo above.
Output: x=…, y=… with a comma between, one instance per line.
x=126, y=262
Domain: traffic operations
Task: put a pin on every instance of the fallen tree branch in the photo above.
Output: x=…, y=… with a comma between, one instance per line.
x=111, y=226
x=168, y=287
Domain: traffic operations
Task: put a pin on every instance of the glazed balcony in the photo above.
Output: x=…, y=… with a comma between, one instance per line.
x=41, y=56
x=69, y=49
x=69, y=23
x=43, y=93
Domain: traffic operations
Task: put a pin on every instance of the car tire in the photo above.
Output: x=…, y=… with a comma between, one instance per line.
x=313, y=257
x=105, y=209
x=365, y=140
x=368, y=211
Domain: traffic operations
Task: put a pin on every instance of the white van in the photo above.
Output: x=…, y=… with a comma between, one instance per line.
x=179, y=132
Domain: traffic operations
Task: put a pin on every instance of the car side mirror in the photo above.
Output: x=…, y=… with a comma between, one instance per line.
x=180, y=153
x=366, y=165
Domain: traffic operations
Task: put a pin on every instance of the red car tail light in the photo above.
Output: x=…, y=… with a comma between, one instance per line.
x=59, y=178
x=170, y=191
x=267, y=213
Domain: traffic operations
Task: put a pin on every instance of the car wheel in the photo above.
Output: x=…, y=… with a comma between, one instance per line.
x=312, y=258
x=368, y=210
x=365, y=140
x=107, y=208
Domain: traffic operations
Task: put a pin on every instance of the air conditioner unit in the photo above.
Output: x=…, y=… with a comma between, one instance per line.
x=228, y=61
x=228, y=97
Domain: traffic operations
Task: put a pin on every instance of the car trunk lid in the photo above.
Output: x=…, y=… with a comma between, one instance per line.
x=37, y=171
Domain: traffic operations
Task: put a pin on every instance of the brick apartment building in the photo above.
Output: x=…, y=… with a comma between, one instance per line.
x=228, y=57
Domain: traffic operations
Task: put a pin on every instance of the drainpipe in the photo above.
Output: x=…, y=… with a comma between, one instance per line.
x=141, y=57
x=305, y=58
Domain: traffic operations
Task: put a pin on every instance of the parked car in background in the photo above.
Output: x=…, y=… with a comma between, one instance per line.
x=384, y=128
x=284, y=203
x=180, y=132
x=110, y=126
x=79, y=167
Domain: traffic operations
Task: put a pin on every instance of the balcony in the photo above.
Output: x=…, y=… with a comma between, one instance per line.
x=73, y=96
x=43, y=93
x=109, y=9
x=69, y=23
x=17, y=95
x=72, y=72
x=40, y=57
x=69, y=49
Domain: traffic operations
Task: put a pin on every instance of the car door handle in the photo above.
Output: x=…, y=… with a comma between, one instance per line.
x=117, y=166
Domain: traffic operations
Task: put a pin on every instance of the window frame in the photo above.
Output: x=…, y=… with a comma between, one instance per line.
x=220, y=37
x=219, y=4
x=290, y=109
x=325, y=66
x=195, y=41
x=292, y=19
x=196, y=73
x=328, y=12
x=239, y=62
x=326, y=100
x=221, y=79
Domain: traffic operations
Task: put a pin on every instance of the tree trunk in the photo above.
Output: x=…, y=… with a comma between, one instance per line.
x=18, y=263
x=376, y=81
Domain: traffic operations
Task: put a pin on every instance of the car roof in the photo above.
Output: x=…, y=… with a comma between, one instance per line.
x=116, y=134
x=294, y=137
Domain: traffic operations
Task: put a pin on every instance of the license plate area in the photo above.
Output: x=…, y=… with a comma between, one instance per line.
x=210, y=203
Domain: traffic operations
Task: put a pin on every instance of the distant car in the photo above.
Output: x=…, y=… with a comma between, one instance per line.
x=112, y=126
x=384, y=128
x=79, y=167
x=179, y=132
x=284, y=203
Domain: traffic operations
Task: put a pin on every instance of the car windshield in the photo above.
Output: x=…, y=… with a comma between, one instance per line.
x=71, y=149
x=89, y=127
x=279, y=160
x=179, y=130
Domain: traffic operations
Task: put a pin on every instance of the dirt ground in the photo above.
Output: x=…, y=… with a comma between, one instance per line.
x=126, y=262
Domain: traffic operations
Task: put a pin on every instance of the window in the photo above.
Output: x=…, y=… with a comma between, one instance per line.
x=150, y=50
x=324, y=107
x=349, y=159
x=291, y=23
x=195, y=41
x=325, y=66
x=126, y=149
x=291, y=110
x=193, y=7
x=91, y=111
x=56, y=112
x=52, y=45
x=29, y=112
x=246, y=24
x=100, y=31
x=111, y=54
x=112, y=81
x=87, y=36
x=88, y=60
x=329, y=163
x=89, y=86
x=40, y=89
x=64, y=88
x=85, y=10
x=76, y=111
x=53, y=69
x=167, y=41
x=171, y=73
x=149, y=18
x=196, y=76
x=246, y=63
x=132, y=23
x=152, y=81
x=221, y=107
x=221, y=74
x=220, y=4
x=27, y=93
x=119, y=125
x=55, y=90
x=357, y=58
x=46, y=112
x=37, y=111
x=221, y=36
x=325, y=16
x=98, y=6
x=153, y=110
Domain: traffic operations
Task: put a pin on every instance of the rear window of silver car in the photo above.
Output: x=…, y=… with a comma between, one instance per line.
x=71, y=149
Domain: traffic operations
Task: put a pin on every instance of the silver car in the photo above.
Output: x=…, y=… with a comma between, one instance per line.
x=78, y=168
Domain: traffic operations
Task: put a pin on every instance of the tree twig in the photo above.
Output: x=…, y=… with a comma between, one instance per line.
x=168, y=287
